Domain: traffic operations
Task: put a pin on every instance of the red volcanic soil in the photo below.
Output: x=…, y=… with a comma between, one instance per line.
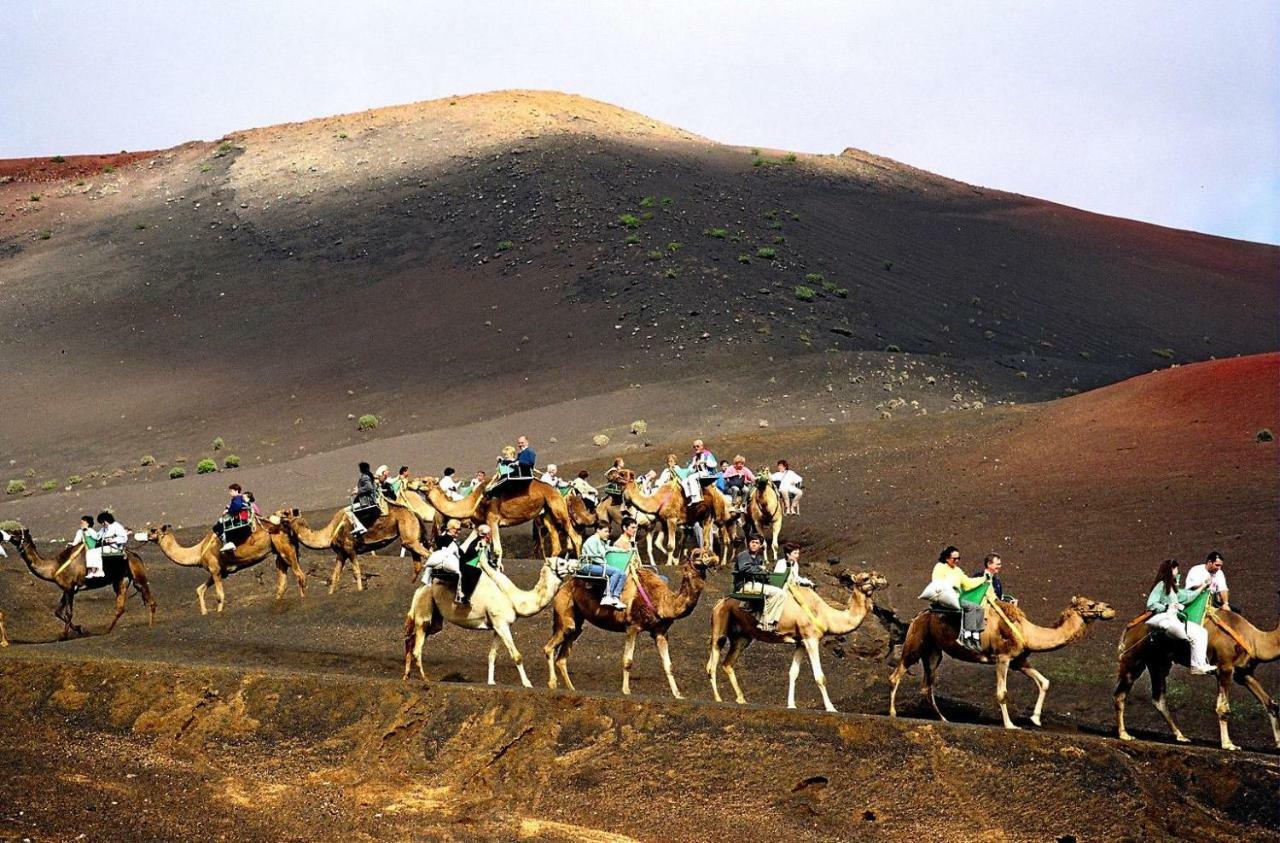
x=33, y=170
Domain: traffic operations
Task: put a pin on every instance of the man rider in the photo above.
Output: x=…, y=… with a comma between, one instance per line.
x=478, y=546
x=593, y=564
x=1211, y=572
x=751, y=577
x=525, y=458
x=366, y=495
x=991, y=566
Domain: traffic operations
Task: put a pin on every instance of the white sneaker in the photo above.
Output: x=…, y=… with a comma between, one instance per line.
x=228, y=547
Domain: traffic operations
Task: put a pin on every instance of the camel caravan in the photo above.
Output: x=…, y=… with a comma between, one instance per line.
x=599, y=572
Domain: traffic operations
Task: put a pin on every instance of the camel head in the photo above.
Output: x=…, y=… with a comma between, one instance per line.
x=625, y=475
x=702, y=560
x=18, y=538
x=423, y=484
x=868, y=582
x=156, y=531
x=1092, y=610
x=561, y=567
x=762, y=480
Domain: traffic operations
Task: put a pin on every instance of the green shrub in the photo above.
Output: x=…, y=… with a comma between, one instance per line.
x=632, y=240
x=629, y=220
x=206, y=466
x=232, y=461
x=223, y=148
x=815, y=278
x=15, y=487
x=655, y=255
x=204, y=168
x=148, y=460
x=218, y=444
x=776, y=225
x=805, y=293
x=757, y=162
x=648, y=202
x=744, y=258
x=49, y=485
x=888, y=265
x=504, y=245
x=667, y=201
x=58, y=159
x=828, y=286
x=342, y=135
x=10, y=526
x=672, y=273
x=841, y=292
x=766, y=252
x=142, y=226
x=176, y=472
x=108, y=168
x=674, y=246
x=778, y=240
x=1166, y=353
x=46, y=234
x=75, y=480
x=790, y=158
x=1265, y=435
x=35, y=197
x=368, y=421
x=718, y=233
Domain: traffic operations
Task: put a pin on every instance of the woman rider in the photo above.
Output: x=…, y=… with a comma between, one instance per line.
x=1165, y=602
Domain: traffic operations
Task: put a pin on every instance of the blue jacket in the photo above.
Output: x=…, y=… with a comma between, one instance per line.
x=526, y=459
x=237, y=505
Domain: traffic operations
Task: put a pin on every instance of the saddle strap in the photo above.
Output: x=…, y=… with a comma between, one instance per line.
x=1212, y=615
x=1017, y=633
x=795, y=595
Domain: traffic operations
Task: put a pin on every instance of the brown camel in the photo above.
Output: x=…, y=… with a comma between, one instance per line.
x=931, y=634
x=764, y=508
x=718, y=520
x=585, y=519
x=4, y=636
x=399, y=523
x=69, y=573
x=509, y=507
x=1236, y=648
x=267, y=539
x=495, y=604
x=806, y=619
x=653, y=608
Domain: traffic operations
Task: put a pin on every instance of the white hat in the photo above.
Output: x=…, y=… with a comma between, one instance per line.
x=382, y=469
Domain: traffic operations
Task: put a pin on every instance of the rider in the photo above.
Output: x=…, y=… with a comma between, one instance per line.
x=790, y=487
x=991, y=565
x=449, y=484
x=618, y=578
x=738, y=478
x=751, y=577
x=237, y=509
x=590, y=495
x=445, y=551
x=114, y=535
x=477, y=546
x=88, y=536
x=525, y=457
x=252, y=503
x=366, y=495
x=552, y=477
x=949, y=572
x=593, y=560
x=1165, y=601
x=1210, y=571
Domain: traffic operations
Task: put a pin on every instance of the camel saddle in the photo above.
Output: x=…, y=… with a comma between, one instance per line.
x=234, y=530
x=366, y=515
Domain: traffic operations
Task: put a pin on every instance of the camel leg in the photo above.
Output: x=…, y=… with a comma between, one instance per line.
x=1002, y=691
x=660, y=640
x=291, y=560
x=1126, y=674
x=713, y=662
x=63, y=613
x=1042, y=684
x=792, y=675
x=122, y=594
x=815, y=662
x=503, y=632
x=628, y=658
x=493, y=655
x=909, y=657
x=1247, y=679
x=737, y=645
x=219, y=591
x=413, y=647
x=930, y=664
x=496, y=534
x=1223, y=708
x=200, y=590
x=358, y=572
x=557, y=652
x=337, y=574
x=282, y=578
x=1159, y=681
x=4, y=636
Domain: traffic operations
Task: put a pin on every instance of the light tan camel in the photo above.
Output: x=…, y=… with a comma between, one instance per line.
x=398, y=524
x=764, y=508
x=653, y=608
x=267, y=539
x=931, y=634
x=806, y=619
x=69, y=572
x=1236, y=648
x=665, y=507
x=495, y=604
x=4, y=636
x=508, y=508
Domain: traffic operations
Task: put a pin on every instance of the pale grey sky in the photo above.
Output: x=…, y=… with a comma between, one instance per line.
x=1159, y=111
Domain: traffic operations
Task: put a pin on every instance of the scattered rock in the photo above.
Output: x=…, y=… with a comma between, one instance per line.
x=762, y=423
x=600, y=440
x=639, y=427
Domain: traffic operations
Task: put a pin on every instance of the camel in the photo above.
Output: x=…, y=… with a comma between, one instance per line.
x=652, y=607
x=585, y=519
x=495, y=604
x=1003, y=644
x=764, y=508
x=806, y=619
x=4, y=636
x=68, y=572
x=667, y=510
x=1236, y=648
x=267, y=539
x=399, y=523
x=510, y=507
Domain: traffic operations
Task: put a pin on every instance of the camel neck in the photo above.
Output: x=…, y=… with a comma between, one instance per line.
x=42, y=568
x=1069, y=627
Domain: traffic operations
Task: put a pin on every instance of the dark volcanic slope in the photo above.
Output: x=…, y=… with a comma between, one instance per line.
x=461, y=259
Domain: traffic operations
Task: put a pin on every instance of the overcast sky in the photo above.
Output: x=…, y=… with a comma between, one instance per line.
x=1160, y=111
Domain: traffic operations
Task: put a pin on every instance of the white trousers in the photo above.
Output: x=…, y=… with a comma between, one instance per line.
x=774, y=597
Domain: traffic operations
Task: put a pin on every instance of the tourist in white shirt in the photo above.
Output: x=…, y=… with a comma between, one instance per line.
x=790, y=487
x=449, y=485
x=552, y=477
x=1210, y=572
